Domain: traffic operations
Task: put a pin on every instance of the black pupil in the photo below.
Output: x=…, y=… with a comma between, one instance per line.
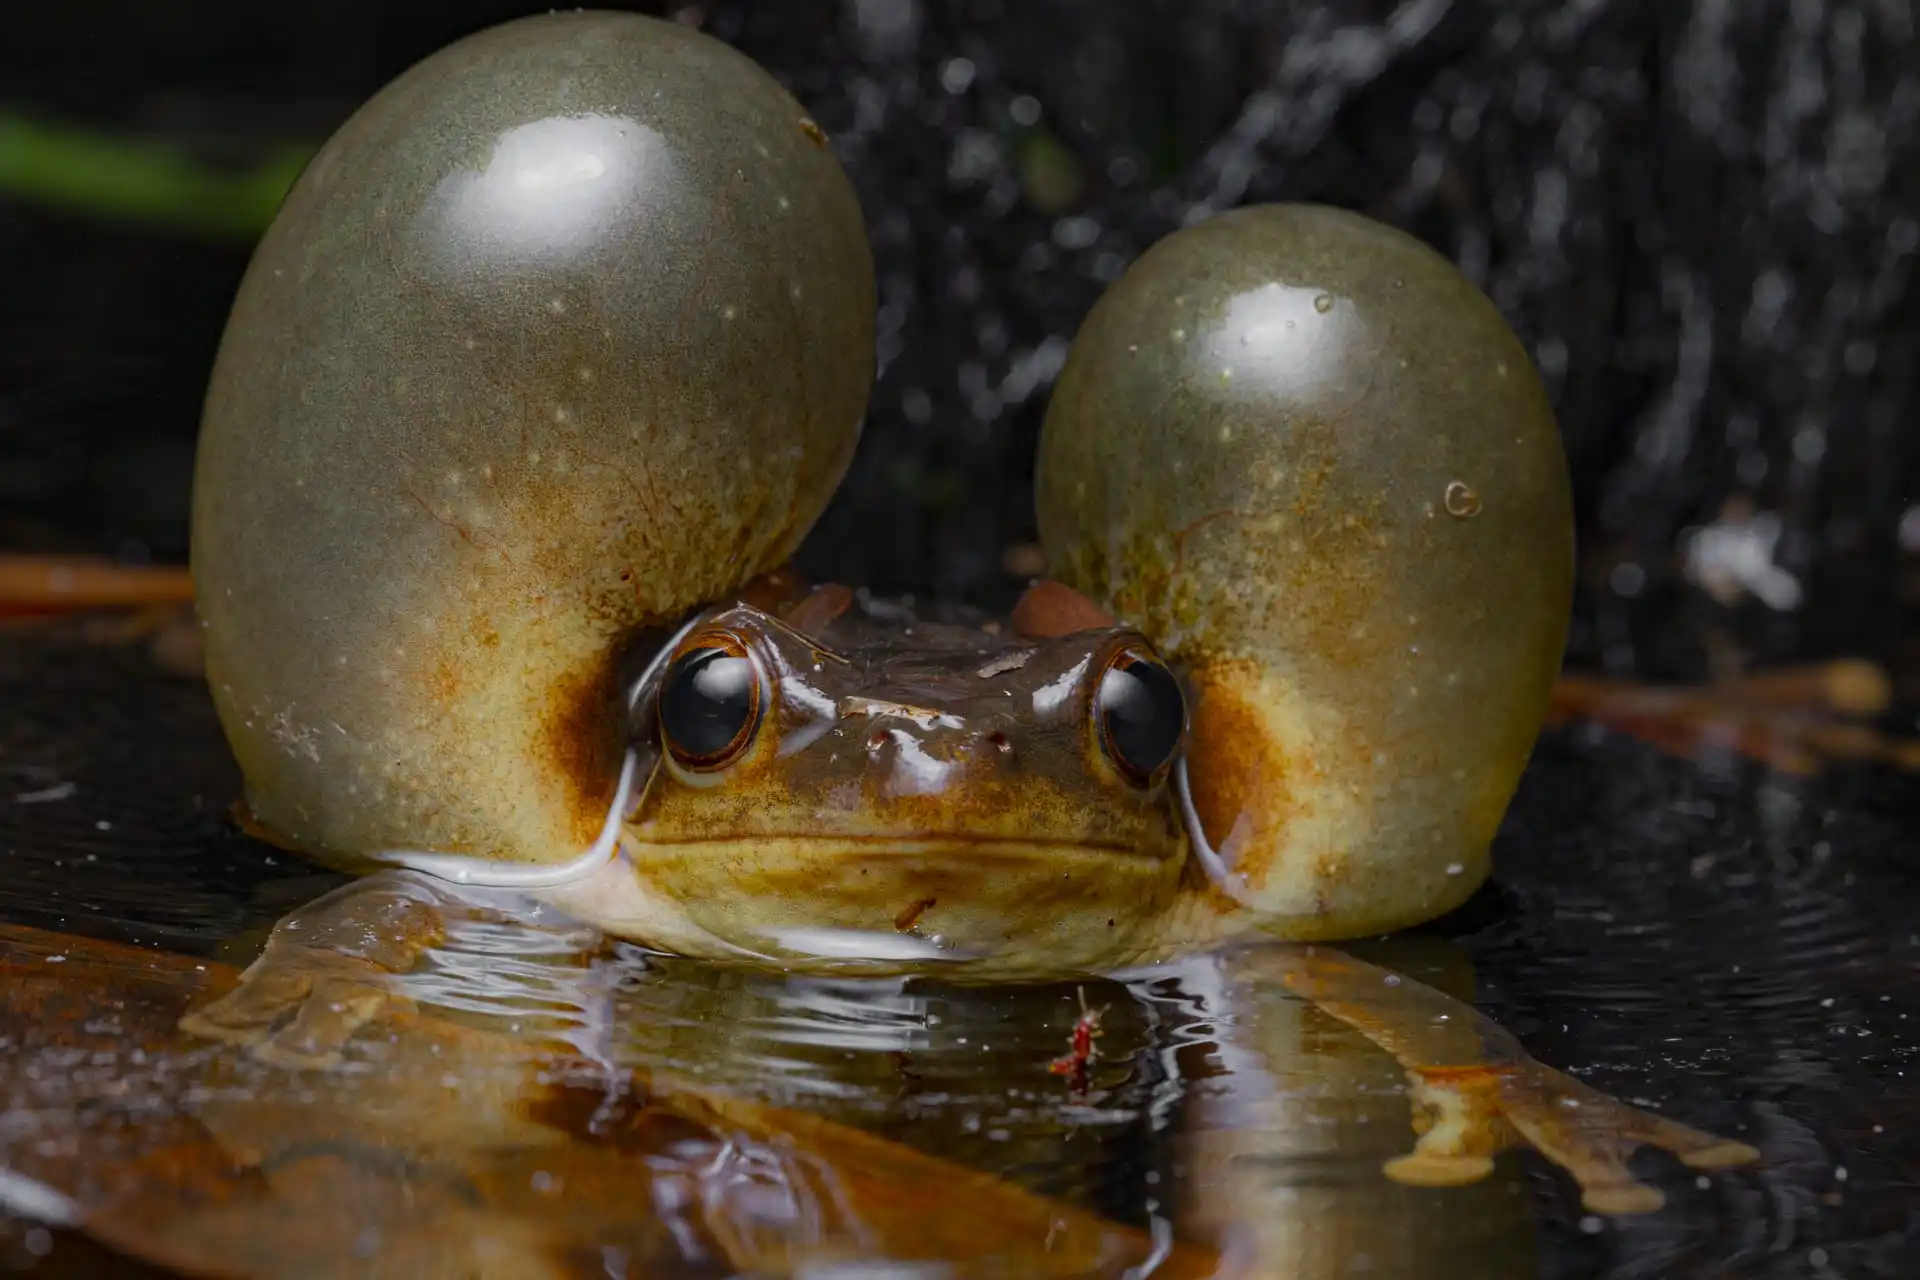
x=1142, y=712
x=705, y=702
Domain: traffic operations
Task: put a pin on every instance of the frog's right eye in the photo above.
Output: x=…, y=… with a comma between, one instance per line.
x=1141, y=714
x=710, y=701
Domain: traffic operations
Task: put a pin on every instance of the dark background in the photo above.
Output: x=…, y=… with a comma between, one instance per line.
x=1703, y=218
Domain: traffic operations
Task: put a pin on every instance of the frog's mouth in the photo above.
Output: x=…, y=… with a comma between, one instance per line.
x=1012, y=905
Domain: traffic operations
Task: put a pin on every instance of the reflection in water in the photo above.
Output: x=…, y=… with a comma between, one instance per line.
x=1260, y=1124
x=449, y=1149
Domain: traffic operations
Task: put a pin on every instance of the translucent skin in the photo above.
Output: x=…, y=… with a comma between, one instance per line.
x=480, y=418
x=1308, y=457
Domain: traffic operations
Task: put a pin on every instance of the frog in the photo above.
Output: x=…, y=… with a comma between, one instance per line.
x=554, y=355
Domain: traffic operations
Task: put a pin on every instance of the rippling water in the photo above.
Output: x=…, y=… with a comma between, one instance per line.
x=1726, y=948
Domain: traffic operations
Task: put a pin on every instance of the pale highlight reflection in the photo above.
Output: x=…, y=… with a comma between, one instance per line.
x=553, y=188
x=1283, y=342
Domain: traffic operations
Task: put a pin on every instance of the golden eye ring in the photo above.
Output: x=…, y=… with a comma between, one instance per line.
x=712, y=699
x=1139, y=714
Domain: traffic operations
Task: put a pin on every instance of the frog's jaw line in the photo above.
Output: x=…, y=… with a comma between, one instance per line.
x=490, y=873
x=1224, y=878
x=487, y=873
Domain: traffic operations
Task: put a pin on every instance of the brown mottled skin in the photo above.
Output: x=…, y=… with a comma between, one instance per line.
x=568, y=331
x=950, y=777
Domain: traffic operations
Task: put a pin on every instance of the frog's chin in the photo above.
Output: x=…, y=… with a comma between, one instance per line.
x=959, y=908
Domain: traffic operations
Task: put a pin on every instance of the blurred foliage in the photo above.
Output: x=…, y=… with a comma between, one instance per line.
x=92, y=172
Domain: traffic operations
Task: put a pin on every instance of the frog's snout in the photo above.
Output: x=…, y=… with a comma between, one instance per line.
x=915, y=753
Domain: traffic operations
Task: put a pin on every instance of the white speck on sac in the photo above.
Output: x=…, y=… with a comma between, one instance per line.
x=1226, y=433
x=558, y=306
x=1179, y=335
x=56, y=959
x=469, y=342
x=561, y=414
x=1455, y=868
x=103, y=825
x=784, y=203
x=793, y=291
x=46, y=795
x=729, y=312
x=584, y=373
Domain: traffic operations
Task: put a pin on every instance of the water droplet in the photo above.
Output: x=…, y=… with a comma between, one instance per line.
x=1323, y=302
x=1463, y=501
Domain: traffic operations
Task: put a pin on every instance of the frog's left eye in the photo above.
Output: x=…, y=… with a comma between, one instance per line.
x=710, y=701
x=1141, y=713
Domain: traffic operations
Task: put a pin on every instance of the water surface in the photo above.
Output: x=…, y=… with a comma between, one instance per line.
x=1726, y=947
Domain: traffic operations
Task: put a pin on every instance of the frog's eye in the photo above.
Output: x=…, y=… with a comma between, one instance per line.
x=1141, y=713
x=710, y=701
